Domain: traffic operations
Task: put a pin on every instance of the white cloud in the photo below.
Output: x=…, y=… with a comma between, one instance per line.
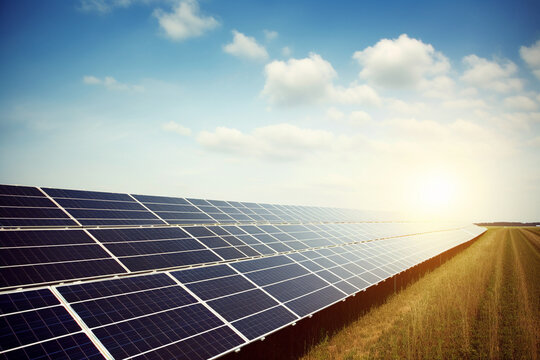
x=286, y=51
x=355, y=118
x=355, y=94
x=270, y=34
x=440, y=87
x=531, y=55
x=491, y=75
x=176, y=128
x=276, y=142
x=520, y=102
x=359, y=117
x=400, y=62
x=246, y=47
x=185, y=21
x=334, y=114
x=464, y=104
x=111, y=83
x=406, y=108
x=105, y=6
x=91, y=80
x=298, y=81
x=310, y=80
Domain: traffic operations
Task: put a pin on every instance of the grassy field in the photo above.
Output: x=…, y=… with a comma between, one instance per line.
x=483, y=303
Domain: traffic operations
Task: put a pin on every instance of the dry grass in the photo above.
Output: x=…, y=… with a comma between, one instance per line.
x=483, y=303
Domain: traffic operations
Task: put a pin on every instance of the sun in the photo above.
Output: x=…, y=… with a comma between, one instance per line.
x=436, y=194
x=437, y=191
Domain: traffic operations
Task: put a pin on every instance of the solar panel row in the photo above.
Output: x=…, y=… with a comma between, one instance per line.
x=203, y=312
x=223, y=273
x=29, y=257
x=22, y=206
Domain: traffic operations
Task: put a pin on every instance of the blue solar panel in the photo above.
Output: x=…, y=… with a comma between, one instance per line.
x=197, y=312
x=242, y=304
x=275, y=274
x=315, y=301
x=25, y=328
x=161, y=261
x=290, y=289
x=153, y=247
x=17, y=238
x=33, y=325
x=73, y=347
x=264, y=322
x=28, y=206
x=108, y=310
x=21, y=301
x=203, y=273
x=198, y=347
x=211, y=289
x=97, y=289
x=132, y=337
x=93, y=208
x=54, y=272
x=139, y=234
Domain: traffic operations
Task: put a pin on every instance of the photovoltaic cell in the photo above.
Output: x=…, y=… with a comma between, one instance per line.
x=163, y=316
x=264, y=322
x=28, y=206
x=92, y=208
x=34, y=324
x=21, y=301
x=75, y=347
x=204, y=346
x=54, y=272
x=315, y=301
x=242, y=304
x=139, y=335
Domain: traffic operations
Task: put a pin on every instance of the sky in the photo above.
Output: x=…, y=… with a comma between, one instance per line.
x=427, y=108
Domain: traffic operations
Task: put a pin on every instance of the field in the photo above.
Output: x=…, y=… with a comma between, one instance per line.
x=483, y=303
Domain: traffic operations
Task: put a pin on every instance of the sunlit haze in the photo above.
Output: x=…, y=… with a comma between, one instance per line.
x=429, y=109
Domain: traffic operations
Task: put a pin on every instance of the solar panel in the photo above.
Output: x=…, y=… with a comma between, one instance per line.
x=223, y=273
x=28, y=206
x=35, y=324
x=93, y=208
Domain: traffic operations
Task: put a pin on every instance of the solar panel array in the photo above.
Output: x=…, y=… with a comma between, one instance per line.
x=104, y=275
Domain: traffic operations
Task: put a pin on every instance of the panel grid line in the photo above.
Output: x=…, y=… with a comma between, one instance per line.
x=102, y=349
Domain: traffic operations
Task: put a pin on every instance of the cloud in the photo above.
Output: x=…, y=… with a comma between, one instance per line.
x=270, y=34
x=464, y=104
x=359, y=117
x=245, y=47
x=275, y=142
x=310, y=80
x=491, y=75
x=286, y=51
x=91, y=80
x=334, y=114
x=401, y=62
x=176, y=128
x=185, y=21
x=105, y=6
x=440, y=87
x=298, y=81
x=520, y=102
x=355, y=94
x=111, y=83
x=354, y=118
x=531, y=55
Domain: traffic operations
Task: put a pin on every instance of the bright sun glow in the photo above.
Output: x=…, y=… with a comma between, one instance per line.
x=435, y=195
x=437, y=192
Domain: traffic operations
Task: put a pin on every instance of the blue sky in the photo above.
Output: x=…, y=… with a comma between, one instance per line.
x=422, y=107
